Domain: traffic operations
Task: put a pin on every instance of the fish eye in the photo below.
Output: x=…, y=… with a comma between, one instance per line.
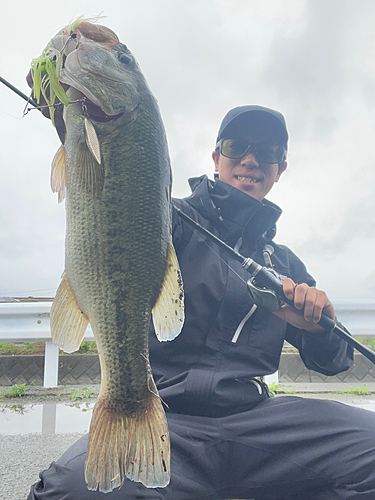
x=125, y=59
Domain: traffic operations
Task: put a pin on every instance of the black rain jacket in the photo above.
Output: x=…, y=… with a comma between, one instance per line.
x=210, y=368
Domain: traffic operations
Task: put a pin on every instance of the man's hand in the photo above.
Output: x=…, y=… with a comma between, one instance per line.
x=309, y=304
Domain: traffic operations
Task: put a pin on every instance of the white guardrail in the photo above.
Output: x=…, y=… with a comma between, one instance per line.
x=30, y=322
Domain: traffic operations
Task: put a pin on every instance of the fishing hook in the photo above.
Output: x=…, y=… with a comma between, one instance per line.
x=72, y=37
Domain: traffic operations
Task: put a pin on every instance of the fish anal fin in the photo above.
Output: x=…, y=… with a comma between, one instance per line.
x=128, y=446
x=168, y=311
x=58, y=173
x=68, y=322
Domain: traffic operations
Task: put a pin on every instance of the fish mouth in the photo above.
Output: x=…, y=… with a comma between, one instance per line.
x=95, y=112
x=96, y=71
x=91, y=104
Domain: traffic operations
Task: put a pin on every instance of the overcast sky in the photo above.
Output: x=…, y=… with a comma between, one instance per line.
x=313, y=60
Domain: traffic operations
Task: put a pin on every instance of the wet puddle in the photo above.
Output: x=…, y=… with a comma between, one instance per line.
x=71, y=417
x=48, y=418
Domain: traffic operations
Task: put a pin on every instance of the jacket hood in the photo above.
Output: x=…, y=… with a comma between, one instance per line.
x=235, y=213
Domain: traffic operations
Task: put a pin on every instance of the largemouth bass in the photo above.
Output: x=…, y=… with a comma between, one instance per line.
x=120, y=265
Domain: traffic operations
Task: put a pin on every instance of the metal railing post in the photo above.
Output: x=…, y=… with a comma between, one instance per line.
x=51, y=365
x=273, y=378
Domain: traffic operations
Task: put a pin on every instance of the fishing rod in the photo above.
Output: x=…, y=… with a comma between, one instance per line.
x=266, y=289
x=264, y=286
x=18, y=92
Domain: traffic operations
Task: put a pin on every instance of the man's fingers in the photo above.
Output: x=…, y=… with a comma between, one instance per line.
x=309, y=301
x=300, y=295
x=309, y=311
x=320, y=303
x=288, y=288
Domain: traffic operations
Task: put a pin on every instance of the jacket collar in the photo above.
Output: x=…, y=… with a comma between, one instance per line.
x=235, y=213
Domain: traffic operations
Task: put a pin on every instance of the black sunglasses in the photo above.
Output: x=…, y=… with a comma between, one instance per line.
x=264, y=152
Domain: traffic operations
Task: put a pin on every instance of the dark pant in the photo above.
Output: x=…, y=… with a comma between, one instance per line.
x=284, y=448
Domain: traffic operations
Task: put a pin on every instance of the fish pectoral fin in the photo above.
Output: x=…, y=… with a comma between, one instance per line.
x=91, y=173
x=137, y=447
x=58, y=173
x=68, y=322
x=92, y=140
x=168, y=311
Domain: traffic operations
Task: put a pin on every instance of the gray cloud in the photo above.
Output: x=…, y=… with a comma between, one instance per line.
x=320, y=72
x=313, y=60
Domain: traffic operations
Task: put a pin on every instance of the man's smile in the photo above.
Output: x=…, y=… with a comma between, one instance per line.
x=249, y=179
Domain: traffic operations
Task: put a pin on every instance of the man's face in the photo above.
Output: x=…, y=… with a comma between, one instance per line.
x=248, y=174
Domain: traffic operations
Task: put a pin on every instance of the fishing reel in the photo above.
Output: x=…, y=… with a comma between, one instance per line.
x=263, y=296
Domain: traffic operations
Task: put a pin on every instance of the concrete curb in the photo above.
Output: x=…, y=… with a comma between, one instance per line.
x=282, y=388
x=352, y=389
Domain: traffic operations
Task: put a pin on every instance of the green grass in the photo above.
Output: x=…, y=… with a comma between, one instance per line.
x=367, y=341
x=87, y=347
x=275, y=388
x=15, y=391
x=30, y=348
x=358, y=391
x=288, y=348
x=8, y=349
x=84, y=393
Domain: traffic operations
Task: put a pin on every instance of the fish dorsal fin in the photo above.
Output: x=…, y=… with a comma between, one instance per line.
x=90, y=176
x=58, y=173
x=168, y=311
x=68, y=322
x=92, y=140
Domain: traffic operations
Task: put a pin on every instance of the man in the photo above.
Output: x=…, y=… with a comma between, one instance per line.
x=230, y=439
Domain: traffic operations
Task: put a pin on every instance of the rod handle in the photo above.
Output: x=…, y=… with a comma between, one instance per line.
x=268, y=280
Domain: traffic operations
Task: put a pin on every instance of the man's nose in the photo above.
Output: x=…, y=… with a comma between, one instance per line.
x=250, y=160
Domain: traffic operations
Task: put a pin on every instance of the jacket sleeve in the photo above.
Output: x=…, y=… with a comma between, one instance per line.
x=322, y=352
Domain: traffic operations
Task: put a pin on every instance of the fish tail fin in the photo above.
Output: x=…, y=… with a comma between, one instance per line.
x=120, y=446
